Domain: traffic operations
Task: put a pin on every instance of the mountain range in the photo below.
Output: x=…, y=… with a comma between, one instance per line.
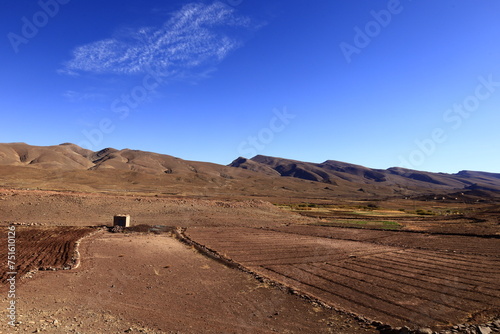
x=70, y=167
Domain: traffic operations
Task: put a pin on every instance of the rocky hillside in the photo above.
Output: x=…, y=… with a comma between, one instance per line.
x=338, y=173
x=70, y=167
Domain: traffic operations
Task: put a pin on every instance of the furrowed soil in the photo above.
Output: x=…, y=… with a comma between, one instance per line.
x=42, y=248
x=397, y=278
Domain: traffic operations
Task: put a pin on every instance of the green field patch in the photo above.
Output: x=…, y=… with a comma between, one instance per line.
x=380, y=224
x=383, y=213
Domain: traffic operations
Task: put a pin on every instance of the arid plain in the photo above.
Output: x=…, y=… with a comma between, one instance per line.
x=262, y=245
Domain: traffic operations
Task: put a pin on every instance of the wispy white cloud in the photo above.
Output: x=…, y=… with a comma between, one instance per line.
x=196, y=35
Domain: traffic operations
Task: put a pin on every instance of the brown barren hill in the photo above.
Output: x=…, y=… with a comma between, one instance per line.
x=69, y=167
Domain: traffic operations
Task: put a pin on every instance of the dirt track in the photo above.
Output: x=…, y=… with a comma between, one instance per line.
x=381, y=275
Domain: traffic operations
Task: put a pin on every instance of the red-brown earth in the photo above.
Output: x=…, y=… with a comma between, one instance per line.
x=397, y=246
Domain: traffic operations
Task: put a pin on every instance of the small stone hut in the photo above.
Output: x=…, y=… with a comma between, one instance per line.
x=121, y=220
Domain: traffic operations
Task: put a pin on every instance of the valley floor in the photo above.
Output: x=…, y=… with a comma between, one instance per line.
x=293, y=268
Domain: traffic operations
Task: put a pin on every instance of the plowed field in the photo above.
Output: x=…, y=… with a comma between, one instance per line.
x=397, y=278
x=42, y=247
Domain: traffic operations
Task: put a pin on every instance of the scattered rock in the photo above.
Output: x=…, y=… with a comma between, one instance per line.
x=404, y=330
x=483, y=330
x=424, y=331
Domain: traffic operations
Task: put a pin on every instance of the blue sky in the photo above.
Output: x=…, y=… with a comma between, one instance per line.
x=376, y=83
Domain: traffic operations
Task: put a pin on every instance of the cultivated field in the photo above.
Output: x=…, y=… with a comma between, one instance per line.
x=396, y=278
x=43, y=248
x=149, y=283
